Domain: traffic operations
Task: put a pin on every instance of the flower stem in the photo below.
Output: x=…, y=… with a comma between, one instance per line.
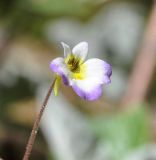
x=36, y=124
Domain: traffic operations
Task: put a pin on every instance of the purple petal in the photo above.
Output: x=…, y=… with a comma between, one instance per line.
x=108, y=69
x=91, y=95
x=58, y=66
x=65, y=79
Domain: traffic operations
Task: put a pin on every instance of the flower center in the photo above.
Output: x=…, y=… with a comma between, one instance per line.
x=76, y=66
x=73, y=63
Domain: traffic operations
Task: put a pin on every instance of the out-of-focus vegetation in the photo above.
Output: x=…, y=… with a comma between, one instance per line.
x=123, y=132
x=30, y=32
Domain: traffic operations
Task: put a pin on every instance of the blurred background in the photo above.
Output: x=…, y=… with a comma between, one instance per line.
x=121, y=125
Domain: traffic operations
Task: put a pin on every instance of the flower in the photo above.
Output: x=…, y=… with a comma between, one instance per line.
x=85, y=77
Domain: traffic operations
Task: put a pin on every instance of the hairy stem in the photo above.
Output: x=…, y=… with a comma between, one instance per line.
x=36, y=124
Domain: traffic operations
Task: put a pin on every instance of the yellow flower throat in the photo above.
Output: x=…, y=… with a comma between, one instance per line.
x=76, y=66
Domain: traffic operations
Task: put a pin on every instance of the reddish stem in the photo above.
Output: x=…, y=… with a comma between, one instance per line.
x=36, y=124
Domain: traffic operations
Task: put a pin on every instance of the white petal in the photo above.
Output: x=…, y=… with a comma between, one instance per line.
x=66, y=49
x=98, y=71
x=81, y=50
x=87, y=89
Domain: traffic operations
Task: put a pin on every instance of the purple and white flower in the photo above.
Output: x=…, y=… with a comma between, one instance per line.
x=85, y=77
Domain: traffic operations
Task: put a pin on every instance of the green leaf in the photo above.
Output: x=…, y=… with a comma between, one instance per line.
x=57, y=85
